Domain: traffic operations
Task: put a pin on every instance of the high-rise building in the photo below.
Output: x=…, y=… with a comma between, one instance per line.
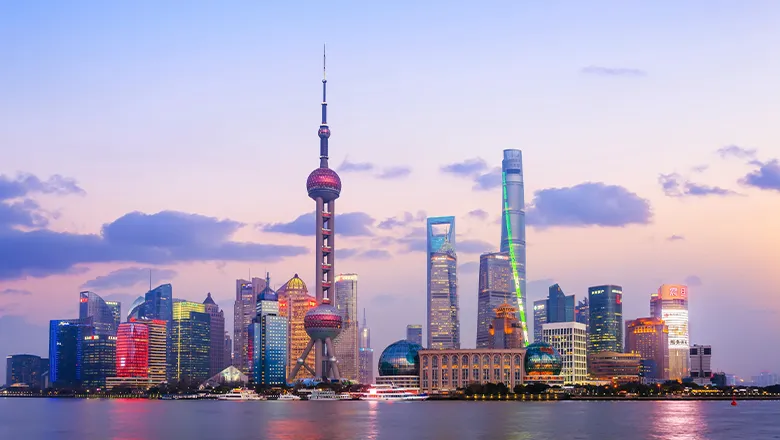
x=132, y=350
x=269, y=345
x=606, y=319
x=540, y=318
x=443, y=310
x=582, y=313
x=294, y=303
x=649, y=338
x=701, y=364
x=91, y=305
x=98, y=359
x=217, y=326
x=366, y=353
x=116, y=310
x=228, y=356
x=137, y=309
x=495, y=289
x=570, y=339
x=157, y=348
x=191, y=341
x=158, y=305
x=513, y=227
x=243, y=314
x=414, y=334
x=346, y=343
x=505, y=329
x=65, y=350
x=25, y=369
x=670, y=303
x=560, y=307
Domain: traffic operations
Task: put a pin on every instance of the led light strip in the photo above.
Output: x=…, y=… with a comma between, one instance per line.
x=515, y=276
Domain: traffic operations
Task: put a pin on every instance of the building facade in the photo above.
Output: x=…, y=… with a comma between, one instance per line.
x=65, y=350
x=505, y=330
x=158, y=305
x=91, y=305
x=606, y=319
x=366, y=353
x=243, y=314
x=26, y=369
x=649, y=338
x=617, y=367
x=217, y=325
x=513, y=226
x=269, y=348
x=294, y=302
x=98, y=359
x=560, y=307
x=132, y=350
x=540, y=318
x=442, y=262
x=346, y=343
x=701, y=364
x=670, y=304
x=191, y=341
x=570, y=339
x=414, y=334
x=228, y=347
x=494, y=289
x=582, y=313
x=448, y=370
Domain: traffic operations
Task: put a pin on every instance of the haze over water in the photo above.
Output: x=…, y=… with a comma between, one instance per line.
x=64, y=419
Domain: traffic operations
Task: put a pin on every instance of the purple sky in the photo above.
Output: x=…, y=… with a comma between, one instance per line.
x=177, y=138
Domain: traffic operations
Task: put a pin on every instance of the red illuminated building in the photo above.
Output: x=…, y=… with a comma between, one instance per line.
x=132, y=350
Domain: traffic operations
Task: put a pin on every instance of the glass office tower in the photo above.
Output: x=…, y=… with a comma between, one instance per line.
x=98, y=360
x=158, y=305
x=103, y=316
x=560, y=307
x=513, y=223
x=670, y=304
x=269, y=345
x=494, y=290
x=191, y=341
x=442, y=261
x=414, y=334
x=540, y=318
x=606, y=319
x=65, y=350
x=366, y=353
x=346, y=343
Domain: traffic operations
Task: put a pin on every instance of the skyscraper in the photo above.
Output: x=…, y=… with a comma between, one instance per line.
x=269, y=348
x=569, y=338
x=103, y=318
x=505, y=330
x=243, y=314
x=366, y=353
x=25, y=369
x=98, y=359
x=132, y=350
x=323, y=323
x=513, y=226
x=217, y=326
x=671, y=305
x=701, y=364
x=116, y=310
x=346, y=343
x=157, y=334
x=65, y=350
x=495, y=289
x=228, y=350
x=560, y=307
x=582, y=312
x=294, y=303
x=606, y=319
x=191, y=341
x=540, y=318
x=442, y=262
x=414, y=334
x=158, y=305
x=649, y=338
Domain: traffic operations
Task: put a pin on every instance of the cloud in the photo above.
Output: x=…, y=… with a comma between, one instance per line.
x=467, y=168
x=480, y=214
x=128, y=277
x=162, y=238
x=488, y=181
x=674, y=185
x=767, y=176
x=472, y=246
x=700, y=168
x=613, y=71
x=414, y=241
x=405, y=219
x=371, y=254
x=693, y=281
x=395, y=172
x=737, y=152
x=675, y=237
x=350, y=224
x=470, y=267
x=349, y=167
x=16, y=210
x=15, y=292
x=588, y=204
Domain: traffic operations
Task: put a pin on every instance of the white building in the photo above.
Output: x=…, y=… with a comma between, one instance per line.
x=571, y=341
x=701, y=361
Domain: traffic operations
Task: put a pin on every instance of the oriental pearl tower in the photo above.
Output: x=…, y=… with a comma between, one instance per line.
x=323, y=323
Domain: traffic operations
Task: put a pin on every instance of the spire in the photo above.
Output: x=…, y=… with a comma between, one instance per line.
x=324, y=131
x=364, y=317
x=268, y=280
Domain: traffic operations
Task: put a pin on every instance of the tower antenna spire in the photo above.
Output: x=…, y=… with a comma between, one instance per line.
x=323, y=63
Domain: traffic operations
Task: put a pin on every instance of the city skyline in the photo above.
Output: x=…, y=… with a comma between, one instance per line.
x=130, y=172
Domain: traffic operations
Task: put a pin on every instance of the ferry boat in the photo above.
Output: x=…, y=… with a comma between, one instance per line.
x=241, y=394
x=288, y=397
x=327, y=395
x=392, y=392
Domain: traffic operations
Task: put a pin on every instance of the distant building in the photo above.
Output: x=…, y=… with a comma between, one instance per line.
x=649, y=337
x=414, y=333
x=560, y=307
x=191, y=341
x=26, y=369
x=763, y=379
x=98, y=359
x=228, y=355
x=617, y=367
x=116, y=310
x=158, y=305
x=540, y=318
x=104, y=317
x=132, y=350
x=294, y=302
x=582, y=313
x=670, y=303
x=243, y=314
x=366, y=353
x=570, y=340
x=606, y=319
x=495, y=289
x=513, y=225
x=157, y=362
x=346, y=343
x=65, y=350
x=506, y=331
x=448, y=370
x=442, y=262
x=217, y=326
x=269, y=347
x=701, y=364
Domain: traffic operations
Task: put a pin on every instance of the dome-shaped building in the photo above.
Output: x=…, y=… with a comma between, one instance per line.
x=294, y=303
x=400, y=359
x=323, y=322
x=541, y=359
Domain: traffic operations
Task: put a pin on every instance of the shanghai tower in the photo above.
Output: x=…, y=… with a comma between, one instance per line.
x=323, y=323
x=513, y=226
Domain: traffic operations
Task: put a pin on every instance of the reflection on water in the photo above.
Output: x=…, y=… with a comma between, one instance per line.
x=44, y=419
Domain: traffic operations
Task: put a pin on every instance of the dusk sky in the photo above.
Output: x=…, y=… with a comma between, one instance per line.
x=178, y=136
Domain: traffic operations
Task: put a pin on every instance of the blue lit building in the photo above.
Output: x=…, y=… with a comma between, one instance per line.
x=560, y=307
x=606, y=319
x=494, y=290
x=65, y=350
x=513, y=225
x=158, y=304
x=269, y=340
x=442, y=261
